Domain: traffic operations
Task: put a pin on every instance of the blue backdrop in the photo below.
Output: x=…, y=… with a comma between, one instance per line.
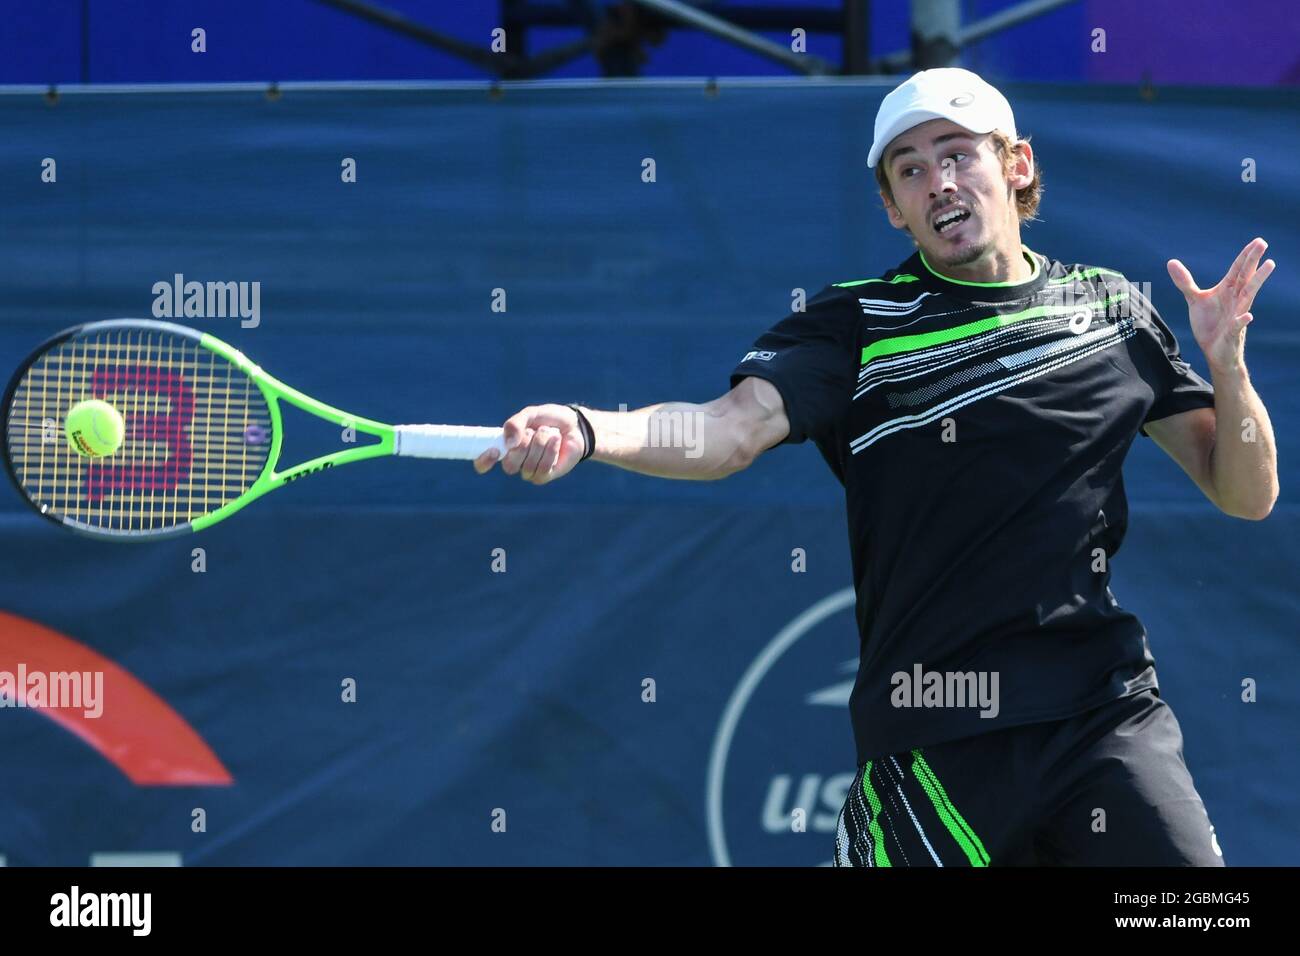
x=1162, y=41
x=480, y=691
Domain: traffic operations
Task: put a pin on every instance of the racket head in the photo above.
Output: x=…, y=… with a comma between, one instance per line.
x=200, y=430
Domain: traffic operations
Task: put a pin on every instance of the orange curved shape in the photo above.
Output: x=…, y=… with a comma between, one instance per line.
x=138, y=732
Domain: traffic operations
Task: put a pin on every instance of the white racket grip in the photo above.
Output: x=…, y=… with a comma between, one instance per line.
x=464, y=442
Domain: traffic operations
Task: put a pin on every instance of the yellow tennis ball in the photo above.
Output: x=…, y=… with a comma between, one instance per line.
x=95, y=428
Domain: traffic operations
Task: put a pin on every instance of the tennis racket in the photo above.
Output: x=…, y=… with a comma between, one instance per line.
x=202, y=436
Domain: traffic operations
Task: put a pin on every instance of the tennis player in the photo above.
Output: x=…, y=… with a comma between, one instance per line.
x=977, y=403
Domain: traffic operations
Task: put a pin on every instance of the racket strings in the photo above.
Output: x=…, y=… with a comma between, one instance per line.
x=197, y=431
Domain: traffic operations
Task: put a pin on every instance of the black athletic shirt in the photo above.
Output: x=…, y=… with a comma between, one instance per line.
x=979, y=431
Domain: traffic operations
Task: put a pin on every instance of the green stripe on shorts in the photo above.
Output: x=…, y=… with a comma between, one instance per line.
x=956, y=824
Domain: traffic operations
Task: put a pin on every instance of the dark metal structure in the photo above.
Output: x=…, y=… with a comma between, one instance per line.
x=618, y=33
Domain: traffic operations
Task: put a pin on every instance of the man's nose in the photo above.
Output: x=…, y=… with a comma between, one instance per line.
x=942, y=183
x=942, y=187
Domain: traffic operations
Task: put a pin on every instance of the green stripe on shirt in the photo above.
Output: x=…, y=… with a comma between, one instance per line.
x=912, y=343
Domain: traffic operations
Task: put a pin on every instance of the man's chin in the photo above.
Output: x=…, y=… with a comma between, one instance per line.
x=957, y=254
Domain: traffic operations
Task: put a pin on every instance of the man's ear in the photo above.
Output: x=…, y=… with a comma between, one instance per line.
x=895, y=217
x=1022, y=165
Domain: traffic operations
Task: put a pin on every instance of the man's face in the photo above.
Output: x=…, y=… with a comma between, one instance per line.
x=939, y=168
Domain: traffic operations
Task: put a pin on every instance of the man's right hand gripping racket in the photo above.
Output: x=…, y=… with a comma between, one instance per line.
x=198, y=431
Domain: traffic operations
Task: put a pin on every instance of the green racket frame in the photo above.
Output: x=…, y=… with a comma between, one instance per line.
x=275, y=391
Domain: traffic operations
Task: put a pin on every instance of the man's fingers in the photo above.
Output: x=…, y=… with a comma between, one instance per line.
x=1256, y=252
x=536, y=449
x=535, y=443
x=549, y=458
x=515, y=456
x=1234, y=269
x=515, y=426
x=1182, y=278
x=1257, y=280
x=1245, y=261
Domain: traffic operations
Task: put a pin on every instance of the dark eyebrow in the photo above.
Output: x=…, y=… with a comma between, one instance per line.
x=900, y=150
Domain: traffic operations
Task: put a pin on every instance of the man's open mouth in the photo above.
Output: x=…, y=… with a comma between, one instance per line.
x=953, y=217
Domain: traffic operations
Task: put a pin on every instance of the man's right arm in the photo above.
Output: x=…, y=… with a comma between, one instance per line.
x=667, y=440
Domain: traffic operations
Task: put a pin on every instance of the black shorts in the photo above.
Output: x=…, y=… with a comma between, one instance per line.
x=1108, y=787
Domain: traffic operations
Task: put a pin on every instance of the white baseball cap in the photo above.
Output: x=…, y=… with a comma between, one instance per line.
x=945, y=93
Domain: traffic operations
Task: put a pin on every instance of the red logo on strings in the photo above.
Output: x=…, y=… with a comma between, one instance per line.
x=167, y=427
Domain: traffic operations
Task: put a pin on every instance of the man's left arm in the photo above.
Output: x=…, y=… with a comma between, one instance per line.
x=1229, y=451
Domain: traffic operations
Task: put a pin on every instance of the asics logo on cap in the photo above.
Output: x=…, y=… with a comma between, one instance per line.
x=966, y=99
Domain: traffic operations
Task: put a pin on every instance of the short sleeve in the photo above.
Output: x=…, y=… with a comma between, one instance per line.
x=808, y=356
x=1177, y=386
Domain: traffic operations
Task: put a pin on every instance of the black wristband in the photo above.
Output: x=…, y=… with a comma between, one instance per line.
x=588, y=434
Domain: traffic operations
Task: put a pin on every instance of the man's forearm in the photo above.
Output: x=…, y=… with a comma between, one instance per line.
x=668, y=440
x=1243, y=461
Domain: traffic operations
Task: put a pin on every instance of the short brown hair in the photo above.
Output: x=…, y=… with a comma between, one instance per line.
x=1027, y=199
